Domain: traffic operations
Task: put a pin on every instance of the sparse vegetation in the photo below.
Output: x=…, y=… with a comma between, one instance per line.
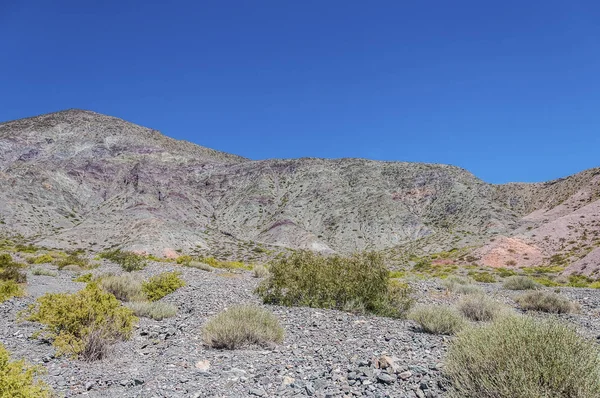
x=43, y=272
x=260, y=271
x=518, y=282
x=231, y=265
x=73, y=259
x=521, y=357
x=82, y=324
x=479, y=308
x=126, y=287
x=161, y=285
x=10, y=289
x=156, y=310
x=308, y=279
x=18, y=379
x=460, y=285
x=438, y=319
x=484, y=277
x=129, y=261
x=242, y=325
x=546, y=302
x=41, y=259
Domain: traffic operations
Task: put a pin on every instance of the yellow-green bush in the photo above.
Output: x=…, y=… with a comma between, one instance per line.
x=523, y=357
x=10, y=270
x=242, y=325
x=309, y=279
x=9, y=289
x=438, y=319
x=18, y=379
x=84, y=278
x=72, y=259
x=129, y=261
x=213, y=262
x=160, y=285
x=41, y=259
x=79, y=322
x=184, y=260
x=484, y=277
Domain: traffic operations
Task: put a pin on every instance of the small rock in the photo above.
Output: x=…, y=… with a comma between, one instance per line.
x=203, y=366
x=386, y=378
x=259, y=392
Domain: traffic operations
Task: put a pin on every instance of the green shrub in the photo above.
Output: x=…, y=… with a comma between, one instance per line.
x=72, y=259
x=520, y=283
x=546, y=302
x=129, y=261
x=579, y=281
x=160, y=285
x=84, y=323
x=309, y=279
x=156, y=310
x=5, y=260
x=479, y=308
x=126, y=287
x=17, y=379
x=12, y=273
x=522, y=357
x=242, y=325
x=41, y=259
x=484, y=277
x=9, y=289
x=184, y=260
x=225, y=264
x=85, y=278
x=199, y=265
x=438, y=319
x=505, y=272
x=43, y=272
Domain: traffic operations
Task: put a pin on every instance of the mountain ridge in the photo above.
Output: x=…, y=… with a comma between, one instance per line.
x=80, y=179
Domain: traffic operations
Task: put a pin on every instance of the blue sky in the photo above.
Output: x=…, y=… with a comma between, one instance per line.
x=509, y=90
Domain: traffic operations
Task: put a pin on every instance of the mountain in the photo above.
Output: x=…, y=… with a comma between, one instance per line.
x=79, y=179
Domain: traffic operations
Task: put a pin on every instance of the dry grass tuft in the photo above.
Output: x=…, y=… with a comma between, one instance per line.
x=546, y=302
x=438, y=319
x=242, y=325
x=522, y=357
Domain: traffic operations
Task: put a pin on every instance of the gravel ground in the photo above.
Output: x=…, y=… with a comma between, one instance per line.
x=325, y=353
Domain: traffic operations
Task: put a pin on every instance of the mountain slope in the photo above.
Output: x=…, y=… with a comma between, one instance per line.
x=80, y=179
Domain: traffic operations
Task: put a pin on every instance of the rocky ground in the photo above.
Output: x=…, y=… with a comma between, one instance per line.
x=325, y=353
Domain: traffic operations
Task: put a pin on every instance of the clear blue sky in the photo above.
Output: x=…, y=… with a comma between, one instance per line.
x=509, y=90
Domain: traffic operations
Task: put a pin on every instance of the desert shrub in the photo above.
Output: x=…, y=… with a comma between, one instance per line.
x=72, y=259
x=12, y=273
x=242, y=325
x=43, y=272
x=9, y=289
x=41, y=259
x=213, y=262
x=520, y=283
x=579, y=281
x=479, y=308
x=85, y=278
x=184, y=260
x=522, y=357
x=505, y=272
x=76, y=321
x=545, y=281
x=438, y=319
x=260, y=271
x=546, y=302
x=160, y=285
x=309, y=279
x=199, y=265
x=460, y=285
x=126, y=287
x=129, y=261
x=18, y=379
x=484, y=277
x=5, y=260
x=156, y=310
